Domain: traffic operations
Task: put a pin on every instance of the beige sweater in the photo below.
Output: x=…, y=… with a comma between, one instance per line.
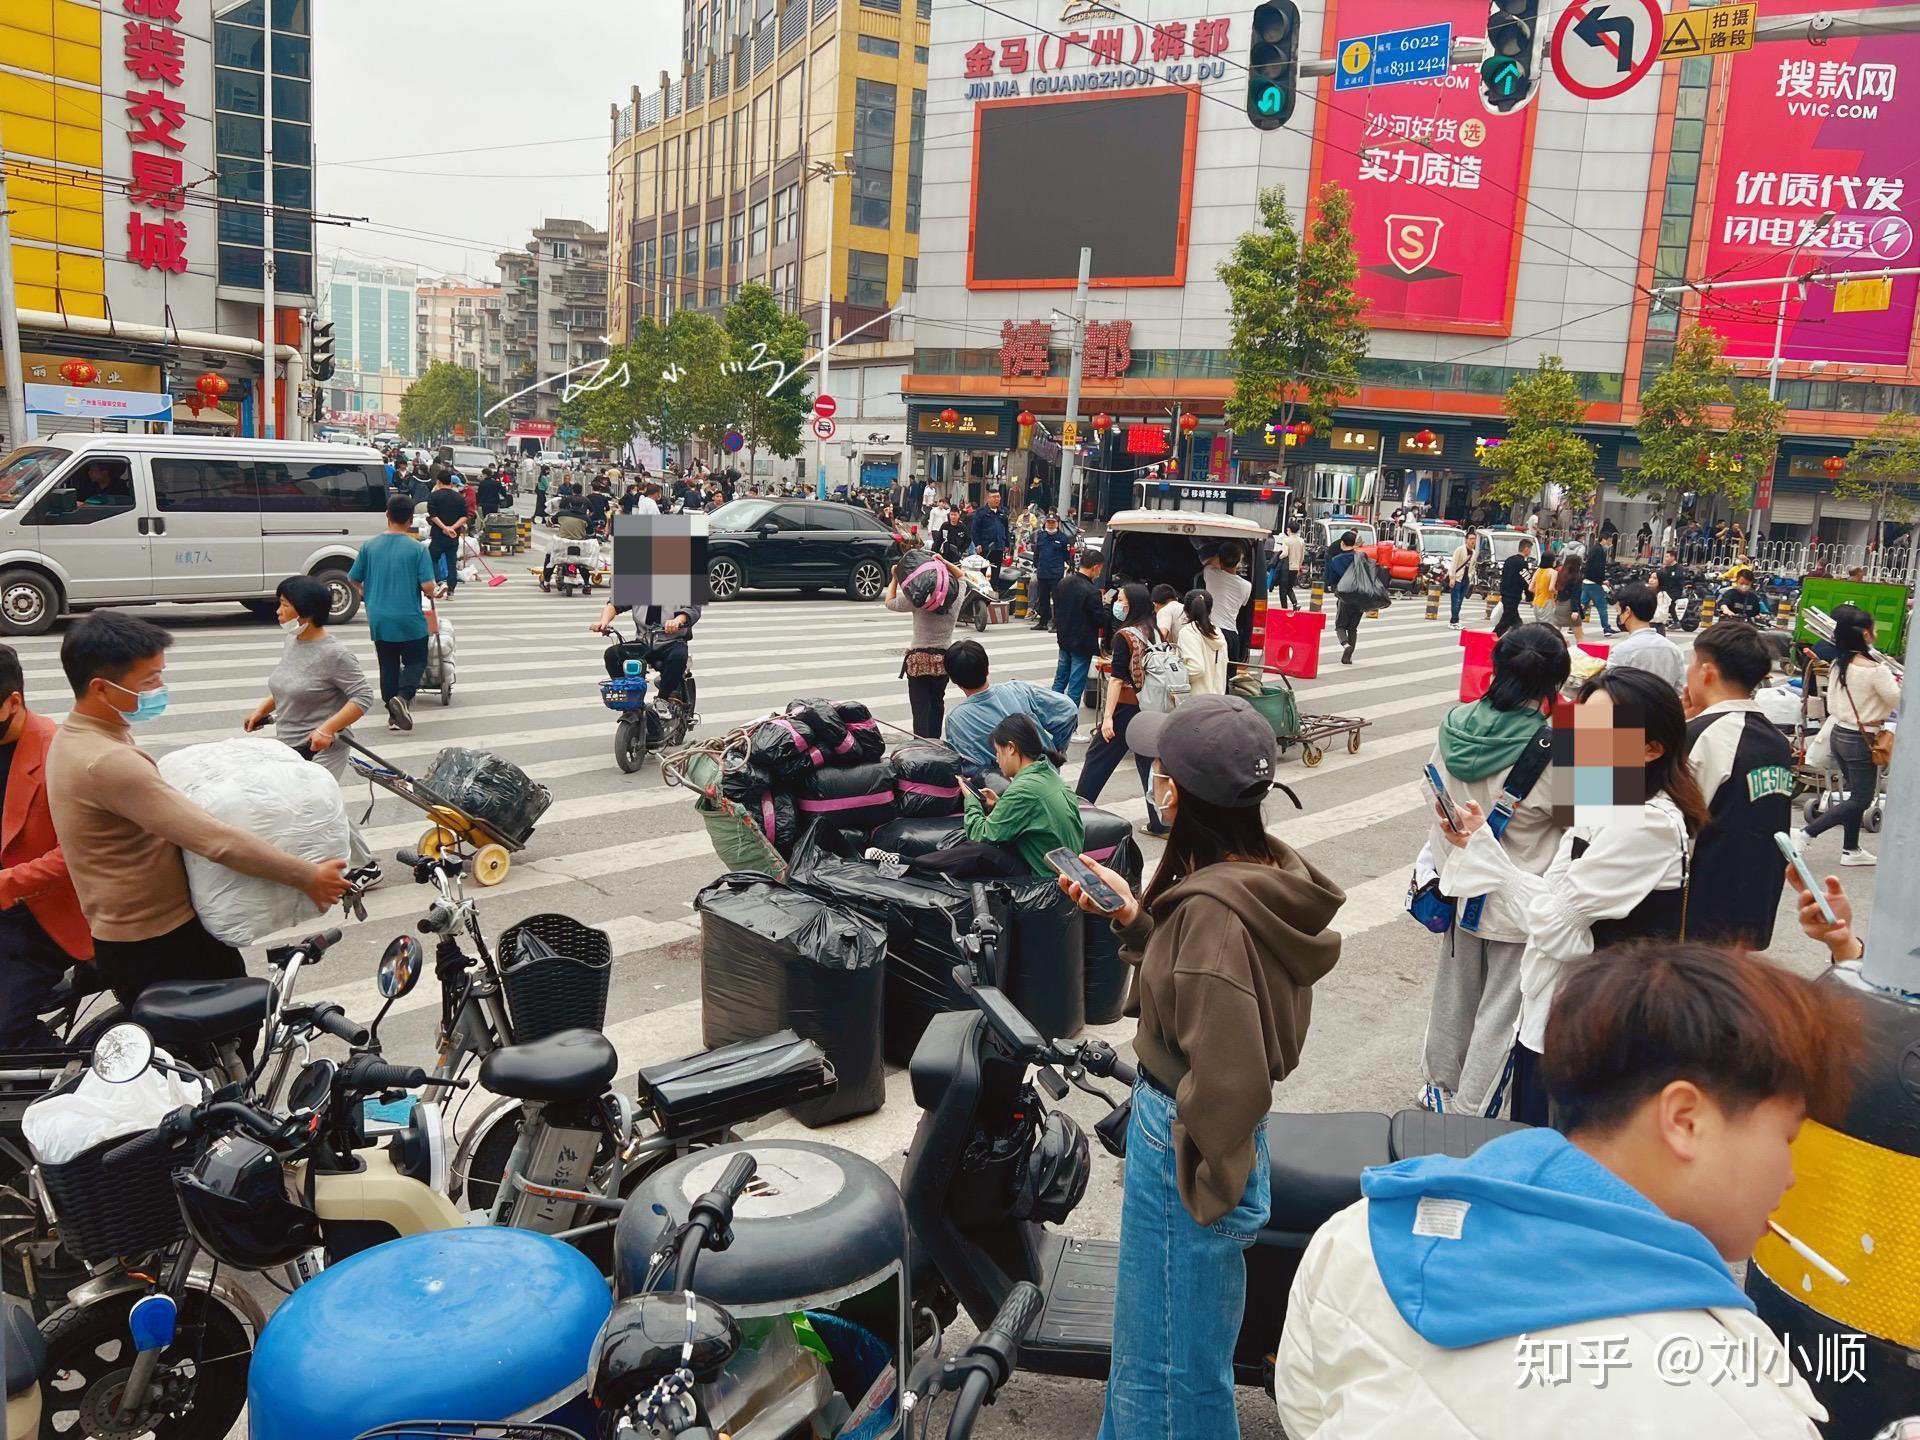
x=122, y=829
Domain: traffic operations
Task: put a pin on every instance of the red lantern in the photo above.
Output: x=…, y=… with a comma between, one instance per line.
x=1189, y=423
x=1833, y=465
x=1304, y=429
x=1266, y=492
x=948, y=416
x=77, y=372
x=1103, y=422
x=1025, y=417
x=194, y=402
x=211, y=385
x=1424, y=439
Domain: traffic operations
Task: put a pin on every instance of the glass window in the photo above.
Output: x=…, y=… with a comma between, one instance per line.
x=713, y=244
x=24, y=469
x=690, y=251
x=713, y=297
x=292, y=142
x=867, y=279
x=239, y=135
x=292, y=187
x=308, y=485
x=252, y=12
x=237, y=90
x=242, y=226
x=1687, y=134
x=873, y=124
x=242, y=180
x=291, y=15
x=292, y=100
x=783, y=206
x=874, y=45
x=828, y=517
x=97, y=490
x=240, y=267
x=916, y=148
x=293, y=273
x=292, y=55
x=223, y=486
x=736, y=236
x=557, y=352
x=759, y=228
x=241, y=48
x=919, y=54
x=909, y=274
x=788, y=517
x=670, y=253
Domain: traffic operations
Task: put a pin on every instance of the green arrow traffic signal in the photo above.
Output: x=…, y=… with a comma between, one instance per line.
x=1502, y=72
x=1270, y=100
x=1272, y=63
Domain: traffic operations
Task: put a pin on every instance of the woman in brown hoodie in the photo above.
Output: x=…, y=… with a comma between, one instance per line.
x=1229, y=939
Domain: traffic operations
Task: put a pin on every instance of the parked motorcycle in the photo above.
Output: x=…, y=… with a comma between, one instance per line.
x=648, y=720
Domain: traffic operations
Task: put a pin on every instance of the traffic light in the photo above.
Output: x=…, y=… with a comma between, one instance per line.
x=320, y=350
x=1273, y=64
x=1516, y=46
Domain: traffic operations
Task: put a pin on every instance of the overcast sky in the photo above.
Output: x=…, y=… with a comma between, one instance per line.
x=394, y=80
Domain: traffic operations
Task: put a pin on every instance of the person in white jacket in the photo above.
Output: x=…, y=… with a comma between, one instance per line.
x=1203, y=649
x=1576, y=1285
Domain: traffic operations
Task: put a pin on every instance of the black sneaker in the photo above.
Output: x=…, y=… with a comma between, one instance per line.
x=400, y=713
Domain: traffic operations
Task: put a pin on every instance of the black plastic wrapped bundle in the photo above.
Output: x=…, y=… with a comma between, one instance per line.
x=926, y=775
x=849, y=797
x=869, y=742
x=784, y=750
x=1110, y=841
x=927, y=583
x=490, y=789
x=821, y=721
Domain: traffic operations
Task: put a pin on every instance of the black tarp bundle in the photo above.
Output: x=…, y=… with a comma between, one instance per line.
x=490, y=789
x=848, y=797
x=926, y=774
x=927, y=583
x=774, y=958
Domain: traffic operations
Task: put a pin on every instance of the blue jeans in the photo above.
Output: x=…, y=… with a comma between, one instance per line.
x=1460, y=593
x=1182, y=1289
x=1070, y=675
x=1593, y=596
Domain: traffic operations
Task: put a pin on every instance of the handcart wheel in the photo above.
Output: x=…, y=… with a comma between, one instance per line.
x=446, y=693
x=437, y=841
x=1311, y=754
x=1353, y=742
x=1810, y=811
x=1872, y=820
x=490, y=863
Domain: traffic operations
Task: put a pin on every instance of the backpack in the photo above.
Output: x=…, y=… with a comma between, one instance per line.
x=1163, y=675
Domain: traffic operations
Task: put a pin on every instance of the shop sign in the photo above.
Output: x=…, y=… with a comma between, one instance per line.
x=972, y=425
x=1099, y=57
x=1807, y=467
x=1363, y=441
x=1146, y=440
x=155, y=54
x=1025, y=349
x=39, y=369
x=1410, y=444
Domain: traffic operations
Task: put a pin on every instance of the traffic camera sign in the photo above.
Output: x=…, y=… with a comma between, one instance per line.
x=1603, y=48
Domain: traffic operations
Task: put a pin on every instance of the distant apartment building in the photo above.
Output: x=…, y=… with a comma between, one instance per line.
x=554, y=317
x=371, y=305
x=460, y=325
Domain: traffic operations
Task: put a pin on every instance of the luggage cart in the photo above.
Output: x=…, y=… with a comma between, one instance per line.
x=1279, y=704
x=500, y=534
x=453, y=830
x=1317, y=730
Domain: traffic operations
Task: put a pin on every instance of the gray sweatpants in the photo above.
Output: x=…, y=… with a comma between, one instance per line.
x=1473, y=1018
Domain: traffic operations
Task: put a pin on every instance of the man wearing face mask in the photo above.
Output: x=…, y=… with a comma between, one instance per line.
x=42, y=931
x=122, y=828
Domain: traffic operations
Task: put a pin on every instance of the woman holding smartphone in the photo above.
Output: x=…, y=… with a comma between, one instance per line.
x=1229, y=938
x=1136, y=629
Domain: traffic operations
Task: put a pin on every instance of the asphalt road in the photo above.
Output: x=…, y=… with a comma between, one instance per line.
x=626, y=853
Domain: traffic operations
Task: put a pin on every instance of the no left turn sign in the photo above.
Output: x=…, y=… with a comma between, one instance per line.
x=1603, y=48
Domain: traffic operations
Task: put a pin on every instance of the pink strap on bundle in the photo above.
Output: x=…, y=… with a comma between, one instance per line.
x=812, y=750
x=942, y=792
x=939, y=583
x=845, y=802
x=1101, y=855
x=767, y=820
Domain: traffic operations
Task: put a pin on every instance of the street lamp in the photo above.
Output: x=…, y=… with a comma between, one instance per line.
x=825, y=170
x=1779, y=342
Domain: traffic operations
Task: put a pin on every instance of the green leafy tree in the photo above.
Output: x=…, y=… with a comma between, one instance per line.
x=1542, y=448
x=1683, y=445
x=1297, y=339
x=1884, y=470
x=609, y=407
x=758, y=331
x=441, y=399
x=687, y=395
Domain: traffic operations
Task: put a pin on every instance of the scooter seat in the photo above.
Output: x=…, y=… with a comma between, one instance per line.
x=189, y=1012
x=1317, y=1160
x=26, y=1351
x=1421, y=1132
x=572, y=1065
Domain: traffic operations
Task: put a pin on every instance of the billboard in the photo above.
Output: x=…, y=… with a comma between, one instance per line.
x=1809, y=131
x=1438, y=184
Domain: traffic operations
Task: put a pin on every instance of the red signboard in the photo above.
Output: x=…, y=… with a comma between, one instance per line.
x=1809, y=131
x=1438, y=184
x=1146, y=440
x=532, y=429
x=154, y=54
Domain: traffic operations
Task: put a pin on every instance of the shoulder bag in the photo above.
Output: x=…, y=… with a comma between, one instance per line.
x=1879, y=739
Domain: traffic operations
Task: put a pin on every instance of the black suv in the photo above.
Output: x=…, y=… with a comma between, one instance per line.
x=799, y=544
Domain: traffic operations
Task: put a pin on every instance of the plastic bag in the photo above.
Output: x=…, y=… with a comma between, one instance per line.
x=66, y=1124
x=772, y=958
x=263, y=787
x=488, y=788
x=852, y=797
x=440, y=652
x=745, y=784
x=927, y=583
x=926, y=777
x=1363, y=583
x=1109, y=840
x=868, y=741
x=922, y=835
x=778, y=817
x=783, y=750
x=823, y=724
x=1046, y=964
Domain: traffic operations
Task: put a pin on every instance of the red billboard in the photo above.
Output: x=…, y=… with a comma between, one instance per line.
x=1809, y=131
x=1439, y=185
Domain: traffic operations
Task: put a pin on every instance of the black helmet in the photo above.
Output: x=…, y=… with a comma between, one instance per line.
x=1055, y=1175
x=645, y=1339
x=236, y=1206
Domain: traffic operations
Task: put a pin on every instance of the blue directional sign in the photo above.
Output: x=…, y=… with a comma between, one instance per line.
x=1393, y=58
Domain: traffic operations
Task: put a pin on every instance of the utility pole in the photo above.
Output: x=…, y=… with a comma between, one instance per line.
x=269, y=332
x=1893, y=949
x=15, y=374
x=1069, y=454
x=829, y=173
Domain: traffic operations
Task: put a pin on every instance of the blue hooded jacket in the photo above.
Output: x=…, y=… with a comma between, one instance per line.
x=1547, y=1236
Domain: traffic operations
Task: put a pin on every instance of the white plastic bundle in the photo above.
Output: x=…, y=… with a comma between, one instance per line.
x=440, y=652
x=62, y=1127
x=262, y=786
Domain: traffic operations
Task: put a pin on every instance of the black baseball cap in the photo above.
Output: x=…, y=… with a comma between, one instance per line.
x=1217, y=748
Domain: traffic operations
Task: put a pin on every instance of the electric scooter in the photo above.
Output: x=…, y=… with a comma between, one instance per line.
x=990, y=1165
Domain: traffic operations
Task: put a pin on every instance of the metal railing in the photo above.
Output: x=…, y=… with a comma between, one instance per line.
x=1891, y=564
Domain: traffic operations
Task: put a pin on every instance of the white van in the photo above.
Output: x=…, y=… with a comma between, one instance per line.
x=470, y=460
x=88, y=520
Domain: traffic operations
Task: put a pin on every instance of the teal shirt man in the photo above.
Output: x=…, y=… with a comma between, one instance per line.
x=1036, y=813
x=390, y=569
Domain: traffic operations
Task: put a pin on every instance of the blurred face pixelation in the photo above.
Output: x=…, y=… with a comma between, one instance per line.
x=1600, y=756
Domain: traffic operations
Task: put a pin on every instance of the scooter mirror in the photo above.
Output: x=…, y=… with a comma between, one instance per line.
x=122, y=1054
x=312, y=1086
x=400, y=967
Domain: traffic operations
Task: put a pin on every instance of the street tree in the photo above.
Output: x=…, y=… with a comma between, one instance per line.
x=1684, y=446
x=1298, y=338
x=766, y=345
x=1884, y=471
x=687, y=396
x=1542, y=446
x=441, y=399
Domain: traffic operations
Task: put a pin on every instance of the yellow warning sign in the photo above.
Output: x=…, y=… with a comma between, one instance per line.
x=1697, y=34
x=1873, y=293
x=1070, y=434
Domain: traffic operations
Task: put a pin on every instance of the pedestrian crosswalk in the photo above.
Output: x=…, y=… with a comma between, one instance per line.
x=628, y=854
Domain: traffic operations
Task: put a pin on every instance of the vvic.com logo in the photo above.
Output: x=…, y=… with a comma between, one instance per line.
x=1836, y=89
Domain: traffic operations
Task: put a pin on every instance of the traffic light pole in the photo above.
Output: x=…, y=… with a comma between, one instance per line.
x=1069, y=454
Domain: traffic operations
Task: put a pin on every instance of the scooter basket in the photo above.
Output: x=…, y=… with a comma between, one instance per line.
x=556, y=972
x=629, y=692
x=732, y=1084
x=129, y=1209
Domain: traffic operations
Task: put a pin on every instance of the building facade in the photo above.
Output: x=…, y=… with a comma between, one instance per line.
x=554, y=319
x=1483, y=242
x=133, y=137
x=709, y=182
x=460, y=325
x=371, y=305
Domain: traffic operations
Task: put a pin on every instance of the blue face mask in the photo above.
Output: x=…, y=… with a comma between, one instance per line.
x=148, y=704
x=1120, y=610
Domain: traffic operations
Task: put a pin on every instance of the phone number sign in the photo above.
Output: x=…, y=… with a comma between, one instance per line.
x=1394, y=57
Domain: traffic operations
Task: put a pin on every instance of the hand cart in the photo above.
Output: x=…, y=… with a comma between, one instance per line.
x=1280, y=706
x=441, y=643
x=453, y=830
x=500, y=533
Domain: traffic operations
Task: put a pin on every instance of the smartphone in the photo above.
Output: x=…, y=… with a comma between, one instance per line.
x=1082, y=874
x=1814, y=887
x=973, y=790
x=1444, y=800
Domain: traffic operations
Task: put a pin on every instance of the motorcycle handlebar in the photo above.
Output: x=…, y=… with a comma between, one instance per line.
x=993, y=1355
x=437, y=921
x=378, y=1075
x=332, y=1020
x=189, y=1120
x=161, y=1137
